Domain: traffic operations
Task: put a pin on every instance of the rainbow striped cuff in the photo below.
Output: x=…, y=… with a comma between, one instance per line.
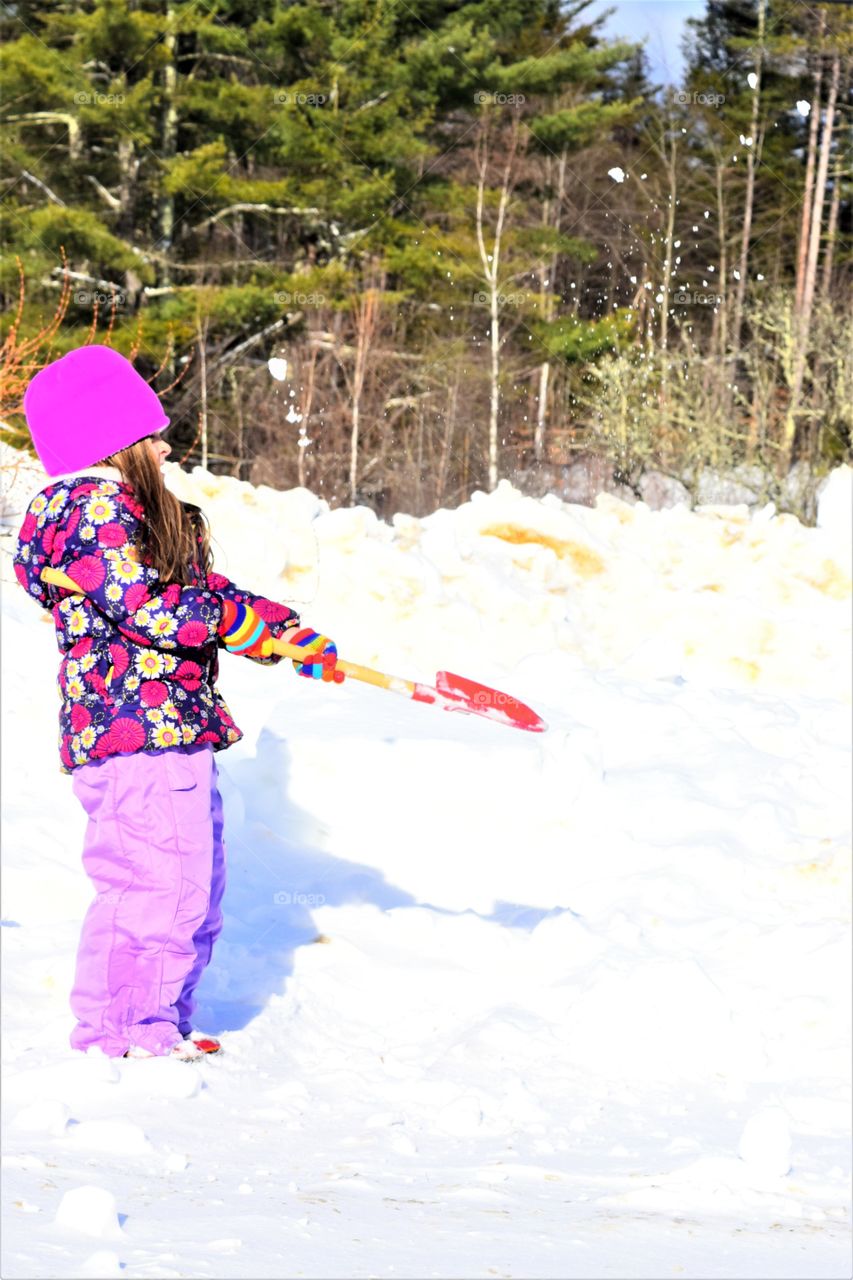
x=241, y=628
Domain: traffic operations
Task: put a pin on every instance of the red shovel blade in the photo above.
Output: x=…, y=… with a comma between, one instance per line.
x=462, y=694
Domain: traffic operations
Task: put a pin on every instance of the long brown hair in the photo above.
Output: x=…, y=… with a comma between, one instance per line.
x=170, y=530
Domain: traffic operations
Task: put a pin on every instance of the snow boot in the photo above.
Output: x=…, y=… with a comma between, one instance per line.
x=186, y=1051
x=203, y=1041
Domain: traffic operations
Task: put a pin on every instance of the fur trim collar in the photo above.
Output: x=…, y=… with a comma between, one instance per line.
x=106, y=473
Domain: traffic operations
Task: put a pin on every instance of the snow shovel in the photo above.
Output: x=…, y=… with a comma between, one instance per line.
x=452, y=692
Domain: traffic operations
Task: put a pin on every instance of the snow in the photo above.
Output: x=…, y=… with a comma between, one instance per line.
x=492, y=1002
x=765, y=1144
x=835, y=506
x=104, y=1264
x=89, y=1210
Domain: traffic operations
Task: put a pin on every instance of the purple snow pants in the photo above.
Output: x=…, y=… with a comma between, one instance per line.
x=155, y=853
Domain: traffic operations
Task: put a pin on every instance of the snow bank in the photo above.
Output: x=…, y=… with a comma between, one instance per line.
x=835, y=508
x=717, y=596
x=569, y=1004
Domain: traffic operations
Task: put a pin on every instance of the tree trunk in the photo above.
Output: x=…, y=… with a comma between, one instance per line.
x=811, y=153
x=494, y=384
x=751, y=165
x=539, y=431
x=353, y=447
x=831, y=231
x=491, y=263
x=168, y=140
x=202, y=371
x=365, y=320
x=802, y=320
x=449, y=425
x=666, y=288
x=820, y=193
x=541, y=411
x=723, y=263
x=128, y=165
x=237, y=403
x=546, y=277
x=306, y=403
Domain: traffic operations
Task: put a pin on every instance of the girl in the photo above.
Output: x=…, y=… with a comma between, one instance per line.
x=141, y=718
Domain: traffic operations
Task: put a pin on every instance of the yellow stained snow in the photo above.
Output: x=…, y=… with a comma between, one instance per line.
x=611, y=505
x=832, y=581
x=586, y=562
x=826, y=876
x=746, y=667
x=835, y=868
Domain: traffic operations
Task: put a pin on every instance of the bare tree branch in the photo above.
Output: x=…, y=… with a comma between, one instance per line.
x=247, y=207
x=110, y=199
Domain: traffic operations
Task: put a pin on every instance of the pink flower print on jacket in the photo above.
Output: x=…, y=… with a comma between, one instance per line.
x=139, y=658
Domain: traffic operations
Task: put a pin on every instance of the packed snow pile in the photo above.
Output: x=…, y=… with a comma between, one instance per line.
x=492, y=1003
x=715, y=595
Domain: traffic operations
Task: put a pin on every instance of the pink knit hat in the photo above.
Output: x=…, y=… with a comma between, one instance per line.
x=87, y=405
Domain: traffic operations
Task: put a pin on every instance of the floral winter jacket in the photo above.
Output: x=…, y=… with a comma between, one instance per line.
x=139, y=661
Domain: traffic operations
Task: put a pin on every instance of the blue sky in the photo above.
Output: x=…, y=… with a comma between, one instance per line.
x=659, y=22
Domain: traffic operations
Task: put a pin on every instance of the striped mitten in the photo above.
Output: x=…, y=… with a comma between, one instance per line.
x=321, y=656
x=243, y=631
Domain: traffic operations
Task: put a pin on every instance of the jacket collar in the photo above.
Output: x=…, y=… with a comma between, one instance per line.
x=105, y=473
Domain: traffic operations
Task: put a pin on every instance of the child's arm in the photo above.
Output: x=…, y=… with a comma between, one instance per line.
x=91, y=540
x=93, y=544
x=279, y=618
x=245, y=633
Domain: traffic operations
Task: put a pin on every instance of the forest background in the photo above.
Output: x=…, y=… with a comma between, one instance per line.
x=473, y=237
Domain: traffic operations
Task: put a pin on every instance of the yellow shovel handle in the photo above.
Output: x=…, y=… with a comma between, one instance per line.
x=352, y=669
x=60, y=579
